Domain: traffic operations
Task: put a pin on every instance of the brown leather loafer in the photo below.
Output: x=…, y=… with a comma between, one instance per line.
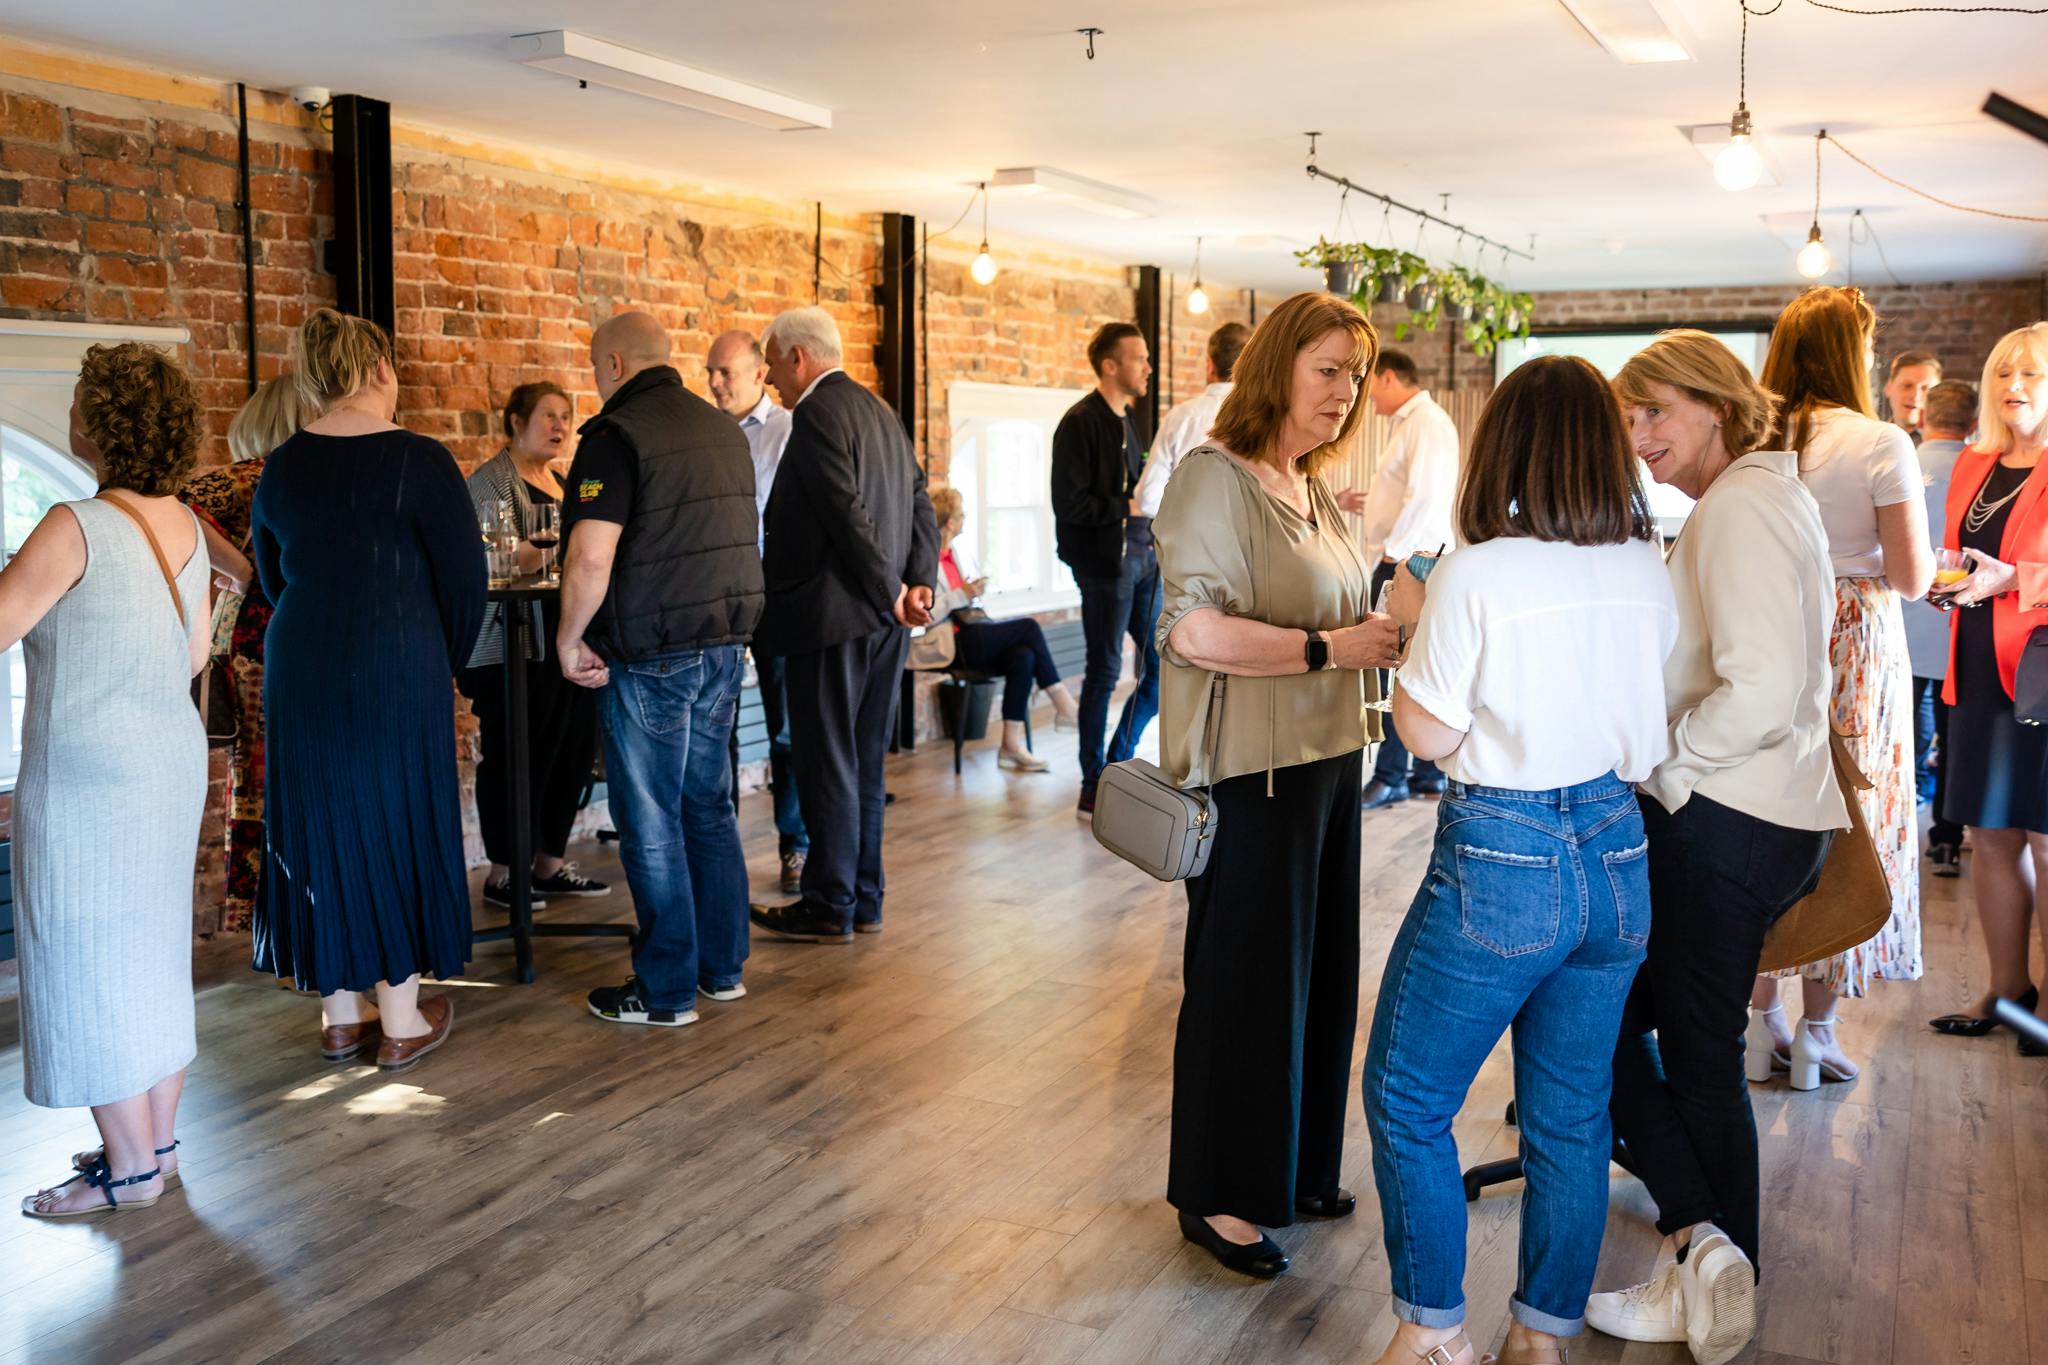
x=396, y=1054
x=340, y=1042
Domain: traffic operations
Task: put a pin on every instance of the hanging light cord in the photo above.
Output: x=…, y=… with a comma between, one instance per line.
x=1930, y=9
x=1910, y=189
x=1742, y=50
x=1858, y=219
x=980, y=193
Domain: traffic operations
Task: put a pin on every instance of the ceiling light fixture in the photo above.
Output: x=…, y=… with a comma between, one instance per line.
x=594, y=61
x=1712, y=140
x=984, y=268
x=1737, y=166
x=1814, y=259
x=1632, y=31
x=1051, y=183
x=1198, y=297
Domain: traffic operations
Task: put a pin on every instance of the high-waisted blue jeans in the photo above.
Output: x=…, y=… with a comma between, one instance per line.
x=1533, y=917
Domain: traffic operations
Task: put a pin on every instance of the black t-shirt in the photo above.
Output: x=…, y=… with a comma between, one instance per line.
x=601, y=481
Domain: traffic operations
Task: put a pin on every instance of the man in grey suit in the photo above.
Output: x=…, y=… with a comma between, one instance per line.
x=851, y=554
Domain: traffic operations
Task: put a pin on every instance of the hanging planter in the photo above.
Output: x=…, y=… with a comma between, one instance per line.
x=1390, y=289
x=1422, y=298
x=1343, y=277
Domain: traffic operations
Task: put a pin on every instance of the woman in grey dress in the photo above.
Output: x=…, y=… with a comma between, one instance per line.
x=113, y=778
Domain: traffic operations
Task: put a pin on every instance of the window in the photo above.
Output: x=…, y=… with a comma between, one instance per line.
x=38, y=370
x=1001, y=464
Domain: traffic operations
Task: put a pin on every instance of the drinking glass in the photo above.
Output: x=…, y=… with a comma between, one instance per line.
x=1379, y=608
x=547, y=535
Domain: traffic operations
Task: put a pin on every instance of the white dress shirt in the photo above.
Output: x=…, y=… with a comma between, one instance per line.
x=766, y=428
x=1185, y=426
x=1747, y=687
x=1409, y=510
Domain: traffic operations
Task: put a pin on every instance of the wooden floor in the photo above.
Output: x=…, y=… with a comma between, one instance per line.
x=946, y=1144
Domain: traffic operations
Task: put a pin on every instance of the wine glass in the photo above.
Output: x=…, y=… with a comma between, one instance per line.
x=547, y=534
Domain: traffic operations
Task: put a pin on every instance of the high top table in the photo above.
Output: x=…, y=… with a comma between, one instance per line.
x=516, y=596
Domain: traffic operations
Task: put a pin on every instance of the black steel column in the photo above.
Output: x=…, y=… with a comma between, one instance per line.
x=896, y=356
x=1145, y=412
x=362, y=208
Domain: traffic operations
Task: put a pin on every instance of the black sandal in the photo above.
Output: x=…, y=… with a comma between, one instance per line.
x=85, y=1161
x=100, y=1178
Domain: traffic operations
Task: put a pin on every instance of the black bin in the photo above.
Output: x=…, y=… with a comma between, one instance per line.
x=964, y=707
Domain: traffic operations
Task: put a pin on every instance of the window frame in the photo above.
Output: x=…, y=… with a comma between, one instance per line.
x=1036, y=404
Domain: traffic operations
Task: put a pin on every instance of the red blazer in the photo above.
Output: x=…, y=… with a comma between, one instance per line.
x=2024, y=545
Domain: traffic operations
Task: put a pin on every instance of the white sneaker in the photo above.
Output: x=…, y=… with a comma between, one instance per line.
x=1651, y=1311
x=1718, y=1285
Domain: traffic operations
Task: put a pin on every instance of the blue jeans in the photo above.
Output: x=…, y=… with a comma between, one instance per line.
x=1533, y=916
x=771, y=674
x=666, y=723
x=1110, y=609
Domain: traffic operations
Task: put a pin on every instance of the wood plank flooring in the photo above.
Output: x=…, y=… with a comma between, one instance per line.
x=943, y=1145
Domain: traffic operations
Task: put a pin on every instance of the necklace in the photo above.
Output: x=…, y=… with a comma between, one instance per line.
x=1980, y=513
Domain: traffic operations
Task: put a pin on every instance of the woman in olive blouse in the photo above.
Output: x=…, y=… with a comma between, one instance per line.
x=1264, y=585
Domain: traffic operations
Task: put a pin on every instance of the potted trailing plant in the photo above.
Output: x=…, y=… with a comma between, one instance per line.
x=1343, y=264
x=1464, y=292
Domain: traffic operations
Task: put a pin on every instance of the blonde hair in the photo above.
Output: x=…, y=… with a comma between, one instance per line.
x=947, y=504
x=338, y=355
x=1700, y=366
x=1819, y=356
x=1992, y=431
x=1263, y=382
x=272, y=416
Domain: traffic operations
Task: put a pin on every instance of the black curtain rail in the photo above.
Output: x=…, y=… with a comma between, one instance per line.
x=1316, y=172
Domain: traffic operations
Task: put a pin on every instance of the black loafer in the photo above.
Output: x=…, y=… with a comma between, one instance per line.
x=1339, y=1203
x=1261, y=1260
x=1378, y=794
x=1970, y=1026
x=799, y=923
x=1433, y=787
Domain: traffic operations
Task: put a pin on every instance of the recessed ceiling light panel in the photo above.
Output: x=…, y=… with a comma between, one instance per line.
x=1050, y=183
x=584, y=58
x=1632, y=31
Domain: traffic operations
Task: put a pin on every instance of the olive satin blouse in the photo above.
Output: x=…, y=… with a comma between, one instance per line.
x=1225, y=542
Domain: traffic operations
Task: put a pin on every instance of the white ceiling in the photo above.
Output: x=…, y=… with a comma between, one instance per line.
x=1200, y=104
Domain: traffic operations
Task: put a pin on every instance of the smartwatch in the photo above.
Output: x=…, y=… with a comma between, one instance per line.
x=1318, y=652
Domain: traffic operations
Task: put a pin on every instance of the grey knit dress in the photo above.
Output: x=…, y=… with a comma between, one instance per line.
x=106, y=824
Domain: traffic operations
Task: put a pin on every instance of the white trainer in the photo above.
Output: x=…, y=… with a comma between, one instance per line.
x=1718, y=1285
x=1651, y=1311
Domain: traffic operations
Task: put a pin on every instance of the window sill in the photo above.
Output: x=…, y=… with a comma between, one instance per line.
x=1006, y=604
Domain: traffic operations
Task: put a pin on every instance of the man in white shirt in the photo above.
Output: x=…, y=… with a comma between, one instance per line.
x=1911, y=375
x=1408, y=511
x=737, y=374
x=1186, y=425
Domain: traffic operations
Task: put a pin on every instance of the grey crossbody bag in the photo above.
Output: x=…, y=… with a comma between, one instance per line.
x=1163, y=830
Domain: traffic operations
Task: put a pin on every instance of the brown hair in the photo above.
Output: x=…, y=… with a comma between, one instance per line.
x=338, y=355
x=1250, y=419
x=1226, y=344
x=1400, y=365
x=272, y=416
x=1699, y=365
x=140, y=409
x=1818, y=359
x=1103, y=344
x=1951, y=406
x=947, y=504
x=1904, y=359
x=524, y=399
x=1551, y=460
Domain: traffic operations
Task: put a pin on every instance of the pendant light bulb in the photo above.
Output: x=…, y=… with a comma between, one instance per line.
x=984, y=267
x=1738, y=165
x=1814, y=259
x=1198, y=299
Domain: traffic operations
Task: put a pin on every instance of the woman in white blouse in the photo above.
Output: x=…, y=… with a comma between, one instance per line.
x=1536, y=682
x=1867, y=480
x=1738, y=817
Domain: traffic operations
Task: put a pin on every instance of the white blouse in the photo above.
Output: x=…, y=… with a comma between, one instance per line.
x=1854, y=465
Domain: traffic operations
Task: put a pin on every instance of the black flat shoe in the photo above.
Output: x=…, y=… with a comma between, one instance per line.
x=2027, y=1049
x=1378, y=795
x=799, y=923
x=1339, y=1203
x=1970, y=1026
x=1262, y=1260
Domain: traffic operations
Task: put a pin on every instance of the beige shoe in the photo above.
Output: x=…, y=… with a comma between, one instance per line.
x=1718, y=1284
x=1023, y=761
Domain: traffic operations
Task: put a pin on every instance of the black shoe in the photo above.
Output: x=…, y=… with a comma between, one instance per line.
x=1339, y=1203
x=1378, y=794
x=1970, y=1026
x=793, y=872
x=1262, y=1260
x=799, y=922
x=627, y=1004
x=500, y=895
x=867, y=926
x=1947, y=860
x=1426, y=786
x=567, y=881
x=2027, y=1049
x=1085, y=807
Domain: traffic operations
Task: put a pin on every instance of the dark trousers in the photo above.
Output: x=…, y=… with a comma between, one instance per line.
x=1110, y=609
x=842, y=709
x=1930, y=757
x=770, y=676
x=1262, y=1053
x=1018, y=648
x=561, y=738
x=1393, y=766
x=1719, y=880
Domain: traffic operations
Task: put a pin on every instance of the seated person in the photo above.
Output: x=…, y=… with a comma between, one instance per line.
x=1016, y=649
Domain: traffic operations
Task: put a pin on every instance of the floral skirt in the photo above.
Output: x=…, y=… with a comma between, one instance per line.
x=1873, y=702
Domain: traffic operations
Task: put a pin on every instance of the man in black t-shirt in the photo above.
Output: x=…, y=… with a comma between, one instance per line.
x=1097, y=457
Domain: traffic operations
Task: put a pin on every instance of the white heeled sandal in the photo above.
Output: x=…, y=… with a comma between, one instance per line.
x=1022, y=762
x=1761, y=1054
x=1811, y=1060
